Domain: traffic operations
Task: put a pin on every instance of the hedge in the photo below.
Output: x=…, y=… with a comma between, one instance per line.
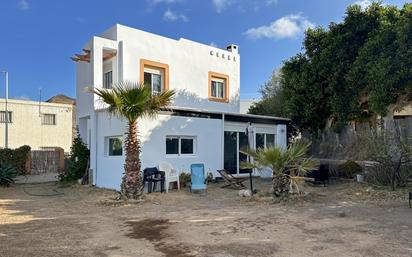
x=18, y=158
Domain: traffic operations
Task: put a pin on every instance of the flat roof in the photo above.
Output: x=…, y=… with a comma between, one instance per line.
x=232, y=116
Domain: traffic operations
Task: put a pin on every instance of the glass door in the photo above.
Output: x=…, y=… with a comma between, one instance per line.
x=233, y=142
x=230, y=152
x=243, y=143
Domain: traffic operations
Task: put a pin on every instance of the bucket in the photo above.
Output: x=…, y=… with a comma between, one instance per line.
x=359, y=178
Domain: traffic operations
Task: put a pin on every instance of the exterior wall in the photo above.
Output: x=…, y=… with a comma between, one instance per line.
x=245, y=105
x=189, y=64
x=153, y=137
x=26, y=127
x=406, y=111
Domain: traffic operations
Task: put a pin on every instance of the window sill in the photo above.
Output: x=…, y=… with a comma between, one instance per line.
x=219, y=100
x=180, y=156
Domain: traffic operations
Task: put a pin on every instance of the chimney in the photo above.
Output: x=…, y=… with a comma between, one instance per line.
x=233, y=48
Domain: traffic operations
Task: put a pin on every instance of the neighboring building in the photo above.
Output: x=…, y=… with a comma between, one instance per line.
x=63, y=99
x=204, y=124
x=245, y=105
x=40, y=125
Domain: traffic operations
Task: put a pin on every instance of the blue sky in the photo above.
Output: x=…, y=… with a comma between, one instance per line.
x=37, y=37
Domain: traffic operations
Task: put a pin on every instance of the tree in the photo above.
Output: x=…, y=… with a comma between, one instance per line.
x=286, y=165
x=357, y=69
x=272, y=98
x=133, y=101
x=79, y=158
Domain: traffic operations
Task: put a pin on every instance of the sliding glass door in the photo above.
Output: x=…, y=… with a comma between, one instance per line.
x=233, y=142
x=230, y=152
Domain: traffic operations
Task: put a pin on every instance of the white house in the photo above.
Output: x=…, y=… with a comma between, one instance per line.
x=203, y=126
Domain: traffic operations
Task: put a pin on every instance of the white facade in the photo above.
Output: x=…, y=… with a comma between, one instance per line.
x=245, y=105
x=197, y=115
x=39, y=125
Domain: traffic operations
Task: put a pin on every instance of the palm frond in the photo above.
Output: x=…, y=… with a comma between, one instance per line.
x=133, y=100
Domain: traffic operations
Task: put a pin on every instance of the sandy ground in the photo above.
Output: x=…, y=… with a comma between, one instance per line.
x=38, y=178
x=338, y=220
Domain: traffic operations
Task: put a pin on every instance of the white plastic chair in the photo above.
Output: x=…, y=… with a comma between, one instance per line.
x=171, y=175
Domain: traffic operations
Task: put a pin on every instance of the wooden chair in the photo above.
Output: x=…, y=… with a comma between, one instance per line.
x=232, y=181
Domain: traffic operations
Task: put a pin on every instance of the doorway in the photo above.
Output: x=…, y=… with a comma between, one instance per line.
x=233, y=142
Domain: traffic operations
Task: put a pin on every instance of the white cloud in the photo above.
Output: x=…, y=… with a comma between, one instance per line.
x=363, y=3
x=289, y=26
x=173, y=16
x=242, y=5
x=271, y=2
x=24, y=5
x=154, y=2
x=220, y=5
x=213, y=44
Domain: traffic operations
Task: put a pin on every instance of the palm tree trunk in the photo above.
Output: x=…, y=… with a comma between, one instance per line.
x=281, y=185
x=132, y=186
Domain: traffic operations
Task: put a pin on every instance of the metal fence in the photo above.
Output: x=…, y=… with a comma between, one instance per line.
x=331, y=145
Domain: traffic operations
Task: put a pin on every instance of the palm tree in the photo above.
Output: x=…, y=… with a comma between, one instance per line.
x=287, y=165
x=132, y=101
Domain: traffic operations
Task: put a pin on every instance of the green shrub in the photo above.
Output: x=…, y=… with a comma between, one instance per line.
x=349, y=169
x=381, y=175
x=7, y=175
x=184, y=179
x=78, y=162
x=16, y=157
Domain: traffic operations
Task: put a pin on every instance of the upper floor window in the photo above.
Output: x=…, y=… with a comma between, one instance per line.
x=107, y=74
x=154, y=79
x=218, y=87
x=155, y=75
x=48, y=119
x=108, y=80
x=3, y=117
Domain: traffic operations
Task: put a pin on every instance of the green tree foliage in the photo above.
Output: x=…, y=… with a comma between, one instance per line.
x=79, y=158
x=352, y=70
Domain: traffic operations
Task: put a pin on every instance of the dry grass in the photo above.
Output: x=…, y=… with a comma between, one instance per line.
x=338, y=220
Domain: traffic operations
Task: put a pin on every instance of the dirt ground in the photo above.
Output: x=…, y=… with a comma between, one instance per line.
x=342, y=219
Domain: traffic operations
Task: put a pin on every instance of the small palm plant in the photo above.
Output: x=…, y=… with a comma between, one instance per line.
x=7, y=174
x=287, y=165
x=133, y=101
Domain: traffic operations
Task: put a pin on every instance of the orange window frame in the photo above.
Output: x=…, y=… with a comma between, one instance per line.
x=218, y=76
x=156, y=65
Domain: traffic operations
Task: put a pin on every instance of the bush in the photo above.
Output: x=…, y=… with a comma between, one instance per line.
x=16, y=157
x=78, y=162
x=7, y=175
x=349, y=169
x=184, y=179
x=381, y=175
